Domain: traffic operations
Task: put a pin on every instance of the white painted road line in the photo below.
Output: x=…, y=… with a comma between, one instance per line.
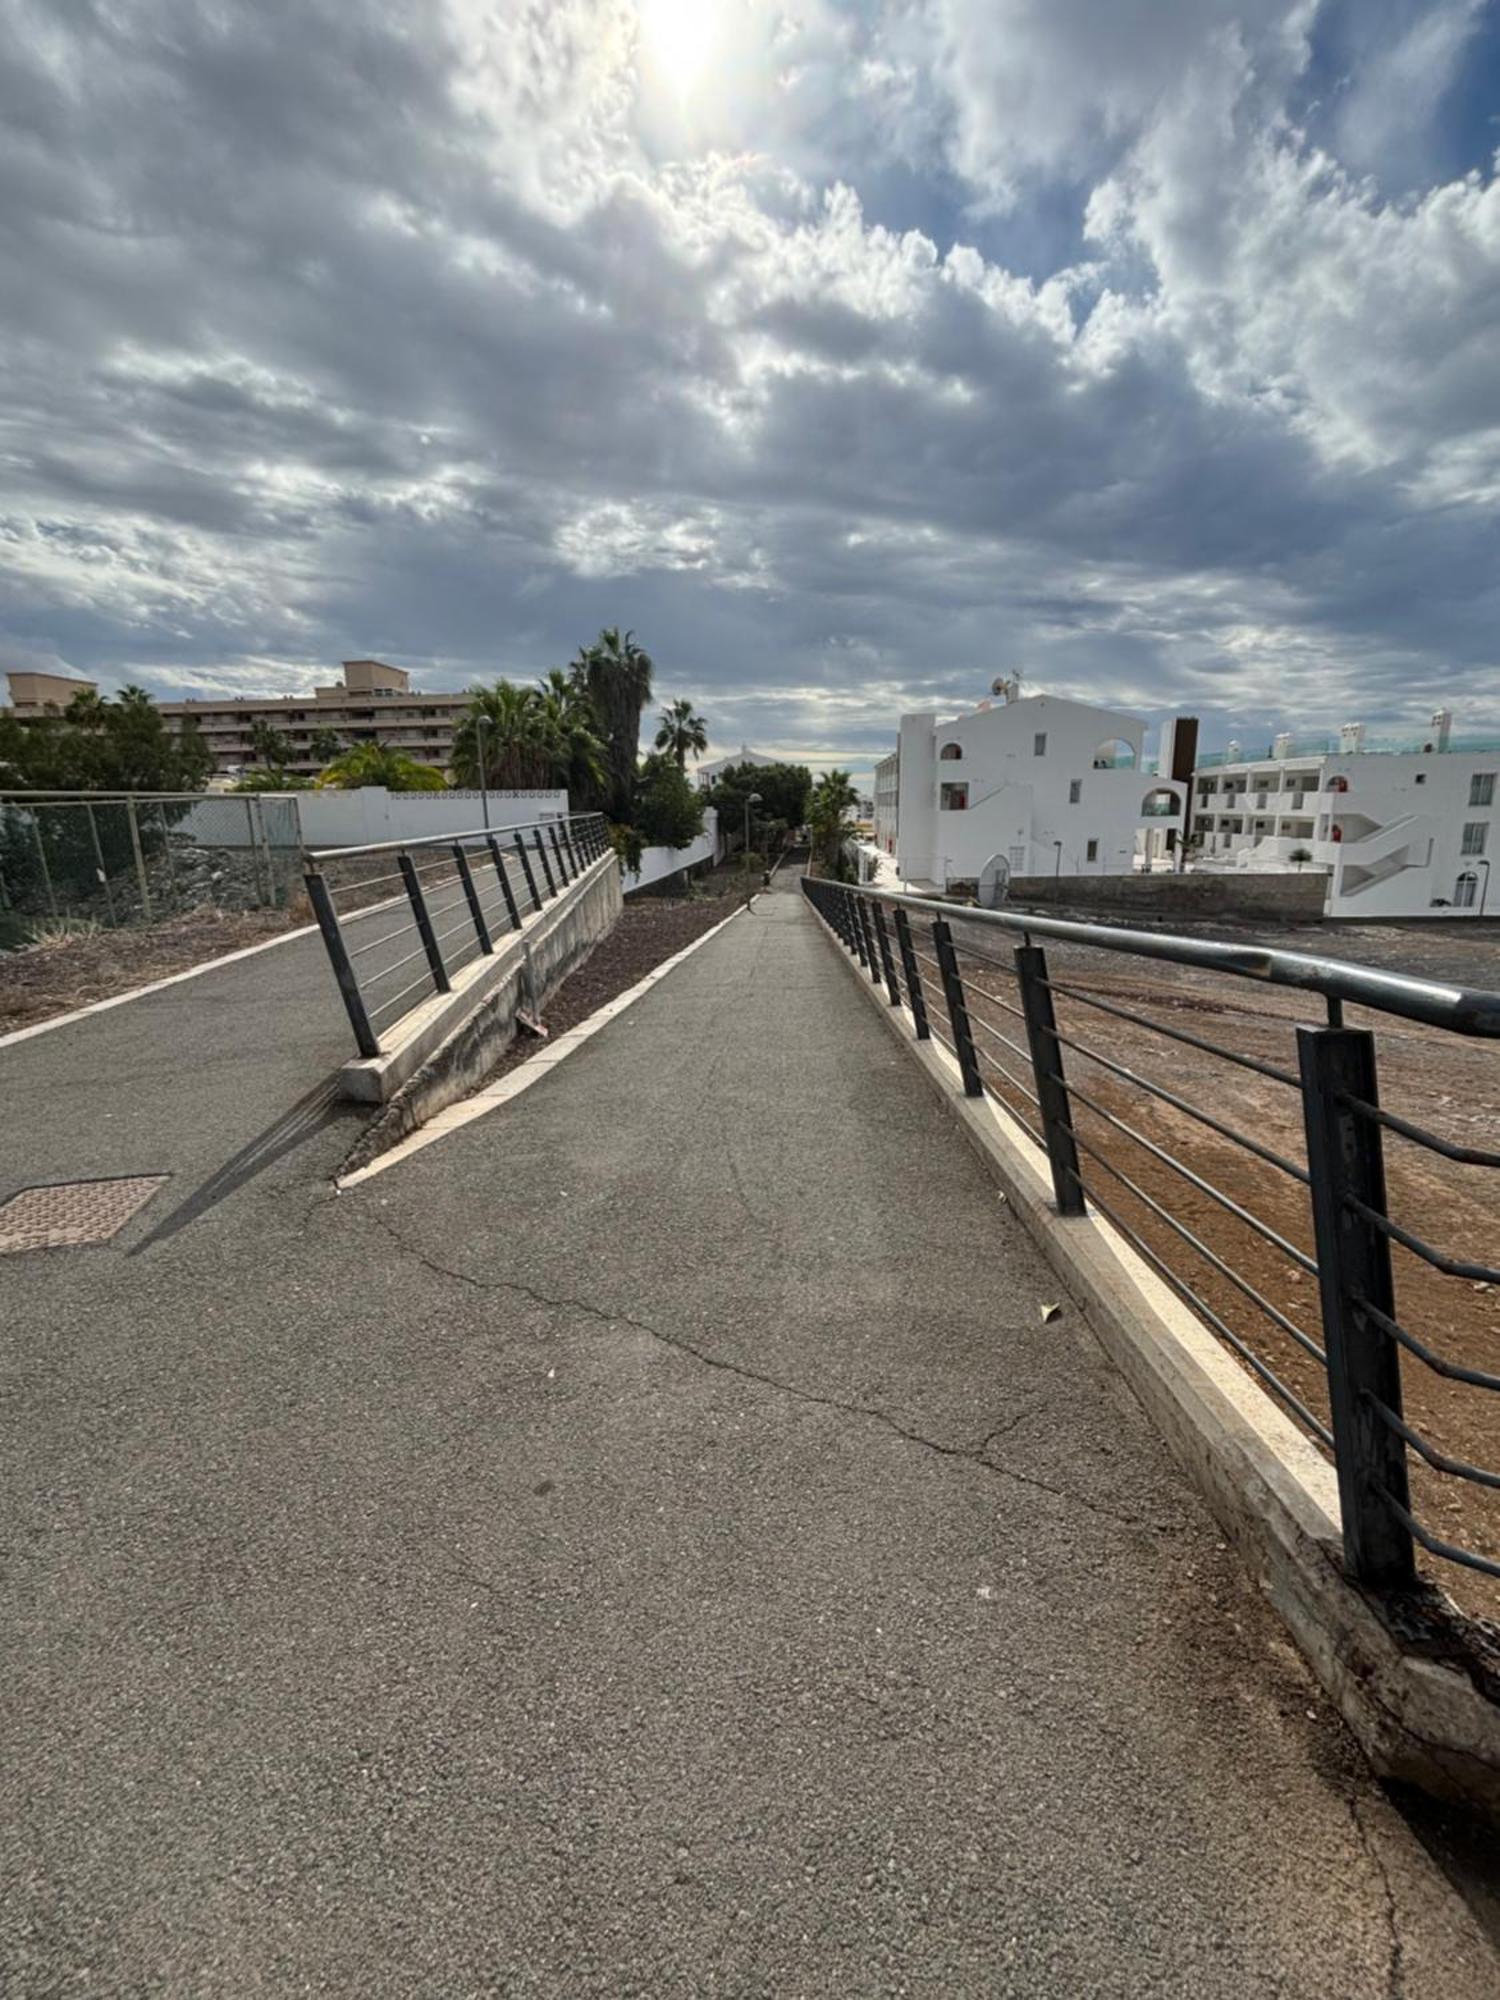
x=525, y=1074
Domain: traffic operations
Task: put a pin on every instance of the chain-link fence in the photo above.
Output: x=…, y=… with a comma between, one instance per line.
x=82, y=859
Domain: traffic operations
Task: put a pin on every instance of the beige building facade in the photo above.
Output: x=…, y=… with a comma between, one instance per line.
x=373, y=703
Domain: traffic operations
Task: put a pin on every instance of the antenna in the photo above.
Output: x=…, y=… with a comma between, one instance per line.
x=1008, y=687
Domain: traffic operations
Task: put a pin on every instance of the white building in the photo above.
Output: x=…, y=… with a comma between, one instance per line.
x=705, y=775
x=1404, y=831
x=1049, y=786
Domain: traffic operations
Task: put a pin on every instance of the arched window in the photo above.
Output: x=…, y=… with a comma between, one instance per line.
x=1114, y=755
x=1464, y=890
x=951, y=752
x=1159, y=804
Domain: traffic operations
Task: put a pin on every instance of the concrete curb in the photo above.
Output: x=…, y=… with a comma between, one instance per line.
x=493, y=983
x=1418, y=1716
x=478, y=1019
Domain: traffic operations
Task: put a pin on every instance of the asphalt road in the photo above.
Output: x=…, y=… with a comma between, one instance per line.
x=647, y=1543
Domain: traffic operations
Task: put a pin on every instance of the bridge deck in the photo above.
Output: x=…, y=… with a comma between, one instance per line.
x=646, y=1543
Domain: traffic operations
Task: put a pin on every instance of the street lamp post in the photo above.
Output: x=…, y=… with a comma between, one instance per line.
x=751, y=799
x=481, y=724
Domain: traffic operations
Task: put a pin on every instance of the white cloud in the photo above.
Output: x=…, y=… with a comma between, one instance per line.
x=329, y=337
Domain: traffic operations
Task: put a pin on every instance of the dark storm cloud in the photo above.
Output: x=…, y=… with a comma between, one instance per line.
x=360, y=327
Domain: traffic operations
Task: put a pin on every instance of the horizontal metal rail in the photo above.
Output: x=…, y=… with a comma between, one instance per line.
x=946, y=952
x=460, y=905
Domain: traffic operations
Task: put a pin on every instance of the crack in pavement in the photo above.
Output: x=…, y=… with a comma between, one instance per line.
x=1395, y=1975
x=973, y=1453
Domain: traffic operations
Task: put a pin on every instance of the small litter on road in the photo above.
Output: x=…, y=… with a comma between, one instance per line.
x=1050, y=1313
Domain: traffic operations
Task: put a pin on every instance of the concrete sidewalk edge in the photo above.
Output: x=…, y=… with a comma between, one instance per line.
x=1418, y=1719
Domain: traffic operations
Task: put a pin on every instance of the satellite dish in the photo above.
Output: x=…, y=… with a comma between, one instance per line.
x=994, y=882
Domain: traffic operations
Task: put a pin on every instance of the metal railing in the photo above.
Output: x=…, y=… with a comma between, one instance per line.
x=121, y=858
x=1315, y=1161
x=400, y=918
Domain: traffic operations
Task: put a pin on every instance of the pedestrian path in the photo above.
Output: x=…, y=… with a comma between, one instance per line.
x=650, y=1543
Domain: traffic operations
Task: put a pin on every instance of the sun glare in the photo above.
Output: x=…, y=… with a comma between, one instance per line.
x=677, y=40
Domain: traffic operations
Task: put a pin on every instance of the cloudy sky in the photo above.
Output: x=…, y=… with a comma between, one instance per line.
x=852, y=354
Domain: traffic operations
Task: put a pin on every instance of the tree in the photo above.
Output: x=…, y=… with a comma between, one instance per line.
x=784, y=790
x=1299, y=857
x=616, y=676
x=98, y=745
x=682, y=730
x=833, y=799
x=272, y=781
x=324, y=744
x=273, y=746
x=668, y=812
x=575, y=749
x=513, y=754
x=374, y=764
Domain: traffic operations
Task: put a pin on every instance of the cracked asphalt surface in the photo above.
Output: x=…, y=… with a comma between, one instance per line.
x=646, y=1543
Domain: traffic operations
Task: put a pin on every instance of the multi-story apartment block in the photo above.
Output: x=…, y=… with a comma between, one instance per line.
x=373, y=703
x=1043, y=785
x=1401, y=830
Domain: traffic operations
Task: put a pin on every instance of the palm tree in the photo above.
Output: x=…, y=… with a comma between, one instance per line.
x=570, y=734
x=515, y=755
x=682, y=730
x=616, y=675
x=375, y=764
x=833, y=799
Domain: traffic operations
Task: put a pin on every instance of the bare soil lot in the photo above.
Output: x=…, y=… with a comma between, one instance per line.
x=1446, y=1083
x=61, y=973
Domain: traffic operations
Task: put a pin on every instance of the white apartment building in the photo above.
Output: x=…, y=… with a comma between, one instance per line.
x=1405, y=830
x=1048, y=786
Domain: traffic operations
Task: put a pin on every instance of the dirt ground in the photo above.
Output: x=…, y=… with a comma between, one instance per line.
x=61, y=973
x=1446, y=1083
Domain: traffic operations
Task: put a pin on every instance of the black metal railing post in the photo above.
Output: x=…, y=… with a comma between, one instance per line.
x=563, y=873
x=521, y=849
x=338, y=957
x=887, y=963
x=1346, y=1161
x=1051, y=1086
x=573, y=852
x=856, y=929
x=505, y=889
x=867, y=931
x=916, y=998
x=471, y=897
x=425, y=931
x=541, y=855
x=958, y=1013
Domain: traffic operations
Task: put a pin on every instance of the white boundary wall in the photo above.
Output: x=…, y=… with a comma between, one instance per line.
x=351, y=819
x=659, y=862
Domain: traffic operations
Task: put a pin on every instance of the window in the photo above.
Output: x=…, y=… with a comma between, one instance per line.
x=1475, y=833
x=951, y=752
x=1463, y=894
x=953, y=798
x=1075, y=791
x=1092, y=852
x=1039, y=744
x=1482, y=789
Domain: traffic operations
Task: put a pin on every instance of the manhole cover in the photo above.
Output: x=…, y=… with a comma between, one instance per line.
x=69, y=1212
